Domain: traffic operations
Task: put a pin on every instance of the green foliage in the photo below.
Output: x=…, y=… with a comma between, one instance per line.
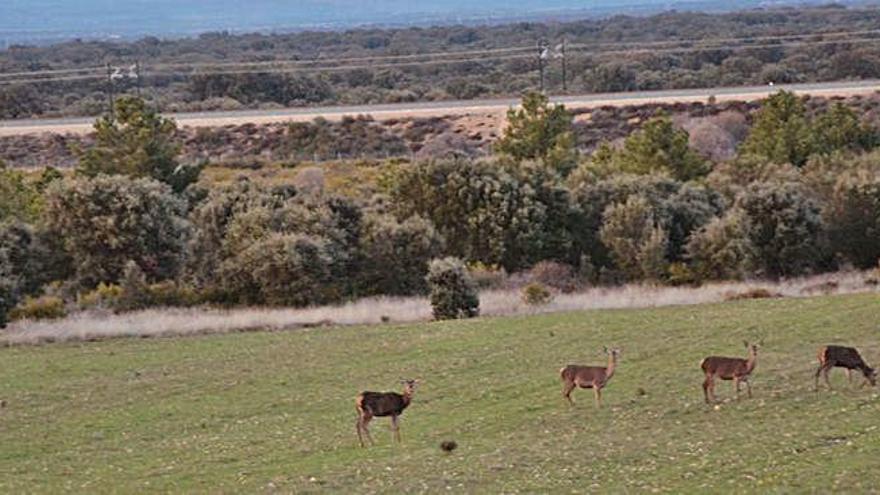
x=134, y=292
x=657, y=148
x=540, y=131
x=839, y=128
x=853, y=219
x=106, y=221
x=720, y=249
x=637, y=243
x=396, y=255
x=784, y=228
x=39, y=308
x=280, y=270
x=677, y=208
x=135, y=140
x=507, y=216
x=20, y=198
x=453, y=293
x=536, y=294
x=25, y=264
x=104, y=296
x=780, y=132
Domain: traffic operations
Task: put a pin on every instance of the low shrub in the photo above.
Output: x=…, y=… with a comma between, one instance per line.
x=751, y=294
x=557, y=275
x=104, y=296
x=453, y=292
x=536, y=294
x=39, y=308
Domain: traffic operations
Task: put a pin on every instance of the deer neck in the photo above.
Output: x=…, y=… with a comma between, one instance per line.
x=751, y=361
x=407, y=397
x=612, y=363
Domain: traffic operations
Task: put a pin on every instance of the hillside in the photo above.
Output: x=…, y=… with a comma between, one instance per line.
x=274, y=412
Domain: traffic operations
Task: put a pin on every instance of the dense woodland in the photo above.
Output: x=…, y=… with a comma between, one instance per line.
x=622, y=53
x=797, y=192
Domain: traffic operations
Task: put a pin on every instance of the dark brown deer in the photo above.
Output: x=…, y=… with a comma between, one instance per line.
x=594, y=377
x=727, y=368
x=848, y=358
x=381, y=404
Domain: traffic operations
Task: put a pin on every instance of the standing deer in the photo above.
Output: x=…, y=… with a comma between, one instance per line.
x=848, y=358
x=594, y=377
x=380, y=404
x=727, y=368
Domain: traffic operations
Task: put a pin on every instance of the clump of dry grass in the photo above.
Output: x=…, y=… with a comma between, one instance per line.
x=91, y=325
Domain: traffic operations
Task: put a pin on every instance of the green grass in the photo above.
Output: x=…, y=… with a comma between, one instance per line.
x=275, y=411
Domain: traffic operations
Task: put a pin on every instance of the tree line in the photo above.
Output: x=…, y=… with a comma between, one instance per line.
x=133, y=227
x=779, y=60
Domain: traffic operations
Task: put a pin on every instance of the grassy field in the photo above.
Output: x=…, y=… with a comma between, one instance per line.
x=267, y=412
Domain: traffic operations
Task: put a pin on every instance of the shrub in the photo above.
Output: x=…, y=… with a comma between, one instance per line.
x=783, y=227
x=109, y=220
x=553, y=274
x=637, y=244
x=751, y=294
x=536, y=294
x=104, y=296
x=135, y=293
x=853, y=219
x=39, y=308
x=719, y=250
x=280, y=270
x=453, y=293
x=396, y=255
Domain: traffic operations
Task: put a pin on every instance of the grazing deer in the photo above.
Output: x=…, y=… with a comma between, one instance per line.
x=727, y=368
x=835, y=356
x=380, y=404
x=594, y=377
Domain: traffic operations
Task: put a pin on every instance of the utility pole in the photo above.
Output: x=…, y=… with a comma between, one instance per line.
x=564, y=78
x=110, y=89
x=543, y=54
x=137, y=77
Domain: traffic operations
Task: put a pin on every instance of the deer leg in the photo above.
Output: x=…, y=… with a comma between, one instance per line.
x=598, y=392
x=818, y=372
x=395, y=428
x=364, y=427
x=748, y=387
x=848, y=375
x=706, y=385
x=567, y=387
x=736, y=387
x=825, y=375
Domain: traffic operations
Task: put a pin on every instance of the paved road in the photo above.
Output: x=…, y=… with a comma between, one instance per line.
x=430, y=109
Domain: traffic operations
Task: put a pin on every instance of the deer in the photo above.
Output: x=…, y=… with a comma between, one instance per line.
x=848, y=358
x=727, y=368
x=381, y=404
x=594, y=377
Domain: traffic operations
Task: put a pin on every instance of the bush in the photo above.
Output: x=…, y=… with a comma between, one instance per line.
x=135, y=292
x=280, y=270
x=557, y=275
x=853, y=219
x=783, y=227
x=719, y=250
x=636, y=242
x=109, y=220
x=39, y=308
x=453, y=293
x=396, y=255
x=536, y=294
x=104, y=296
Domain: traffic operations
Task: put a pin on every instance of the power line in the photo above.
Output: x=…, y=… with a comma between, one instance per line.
x=278, y=68
x=432, y=55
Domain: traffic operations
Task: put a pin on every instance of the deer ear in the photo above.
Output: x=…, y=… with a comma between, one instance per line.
x=746, y=343
x=605, y=349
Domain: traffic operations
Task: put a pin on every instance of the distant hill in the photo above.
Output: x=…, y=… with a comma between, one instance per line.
x=47, y=21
